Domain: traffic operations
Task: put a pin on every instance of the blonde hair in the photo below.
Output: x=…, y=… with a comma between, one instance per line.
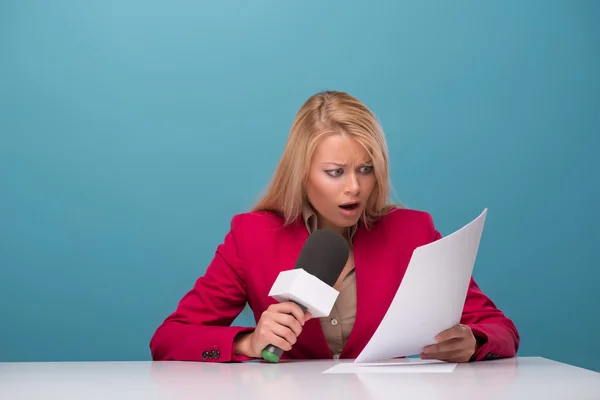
x=326, y=113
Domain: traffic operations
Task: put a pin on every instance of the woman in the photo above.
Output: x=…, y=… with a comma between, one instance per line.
x=333, y=174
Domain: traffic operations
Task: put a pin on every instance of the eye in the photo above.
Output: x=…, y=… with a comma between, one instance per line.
x=366, y=169
x=335, y=172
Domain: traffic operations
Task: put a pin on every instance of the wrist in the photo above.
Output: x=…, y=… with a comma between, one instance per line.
x=479, y=342
x=242, y=344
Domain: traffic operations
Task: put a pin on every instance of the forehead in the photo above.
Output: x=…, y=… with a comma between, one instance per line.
x=341, y=149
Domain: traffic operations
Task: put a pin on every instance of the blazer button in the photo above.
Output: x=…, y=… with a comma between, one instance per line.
x=204, y=355
x=211, y=354
x=217, y=354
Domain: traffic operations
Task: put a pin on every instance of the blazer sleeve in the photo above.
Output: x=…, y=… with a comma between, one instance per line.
x=497, y=335
x=199, y=329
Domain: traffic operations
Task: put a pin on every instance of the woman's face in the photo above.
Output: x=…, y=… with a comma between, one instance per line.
x=340, y=181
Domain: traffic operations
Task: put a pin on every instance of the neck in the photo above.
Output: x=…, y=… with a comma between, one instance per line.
x=323, y=224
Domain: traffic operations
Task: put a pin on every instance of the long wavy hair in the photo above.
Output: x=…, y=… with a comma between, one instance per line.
x=327, y=113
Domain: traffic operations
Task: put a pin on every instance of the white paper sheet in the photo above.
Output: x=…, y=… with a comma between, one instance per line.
x=400, y=361
x=430, y=298
x=407, y=366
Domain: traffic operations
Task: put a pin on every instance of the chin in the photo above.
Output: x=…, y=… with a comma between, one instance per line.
x=348, y=222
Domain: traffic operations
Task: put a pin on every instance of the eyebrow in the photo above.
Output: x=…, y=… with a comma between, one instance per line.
x=368, y=162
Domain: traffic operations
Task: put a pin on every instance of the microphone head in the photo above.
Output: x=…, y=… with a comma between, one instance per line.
x=324, y=255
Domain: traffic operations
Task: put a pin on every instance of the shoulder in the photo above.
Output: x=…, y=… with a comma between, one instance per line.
x=399, y=215
x=405, y=220
x=256, y=227
x=257, y=220
x=259, y=234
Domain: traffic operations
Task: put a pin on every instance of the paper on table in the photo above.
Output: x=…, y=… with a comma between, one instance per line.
x=431, y=296
x=400, y=361
x=407, y=366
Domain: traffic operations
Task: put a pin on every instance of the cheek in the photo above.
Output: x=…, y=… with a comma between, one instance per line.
x=368, y=183
x=320, y=189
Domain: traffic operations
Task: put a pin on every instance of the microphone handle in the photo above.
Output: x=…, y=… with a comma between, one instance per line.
x=273, y=353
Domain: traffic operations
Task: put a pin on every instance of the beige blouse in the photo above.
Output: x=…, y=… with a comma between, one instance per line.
x=338, y=325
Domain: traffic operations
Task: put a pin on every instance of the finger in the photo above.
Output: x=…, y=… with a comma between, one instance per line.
x=459, y=359
x=452, y=356
x=454, y=332
x=290, y=308
x=448, y=345
x=288, y=321
x=278, y=341
x=307, y=316
x=441, y=355
x=284, y=333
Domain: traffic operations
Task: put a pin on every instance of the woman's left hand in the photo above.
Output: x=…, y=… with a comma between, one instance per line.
x=457, y=344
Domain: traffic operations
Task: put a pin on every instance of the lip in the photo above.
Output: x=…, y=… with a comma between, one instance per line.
x=351, y=213
x=351, y=202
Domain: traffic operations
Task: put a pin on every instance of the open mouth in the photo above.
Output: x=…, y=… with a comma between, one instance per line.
x=349, y=206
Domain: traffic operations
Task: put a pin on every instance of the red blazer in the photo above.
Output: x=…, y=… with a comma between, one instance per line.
x=258, y=247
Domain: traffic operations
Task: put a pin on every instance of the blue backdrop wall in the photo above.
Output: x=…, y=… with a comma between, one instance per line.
x=132, y=131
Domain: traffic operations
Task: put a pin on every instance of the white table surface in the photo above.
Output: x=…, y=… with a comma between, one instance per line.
x=518, y=378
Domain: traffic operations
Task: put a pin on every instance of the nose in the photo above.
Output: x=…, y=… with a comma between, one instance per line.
x=352, y=185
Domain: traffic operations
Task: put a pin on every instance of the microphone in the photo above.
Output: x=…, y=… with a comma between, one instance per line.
x=310, y=284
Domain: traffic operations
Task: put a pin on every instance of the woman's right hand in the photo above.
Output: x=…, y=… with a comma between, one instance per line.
x=279, y=325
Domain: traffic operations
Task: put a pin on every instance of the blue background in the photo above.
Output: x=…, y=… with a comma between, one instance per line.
x=132, y=131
